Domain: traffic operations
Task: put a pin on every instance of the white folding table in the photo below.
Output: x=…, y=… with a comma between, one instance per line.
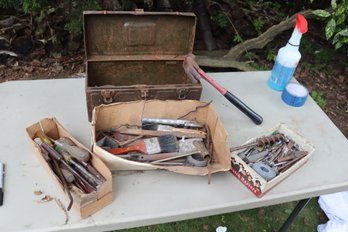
x=153, y=197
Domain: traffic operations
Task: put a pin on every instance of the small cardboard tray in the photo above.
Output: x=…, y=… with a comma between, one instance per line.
x=252, y=180
x=131, y=113
x=85, y=204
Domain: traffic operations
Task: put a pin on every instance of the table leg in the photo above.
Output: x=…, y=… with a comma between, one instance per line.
x=299, y=207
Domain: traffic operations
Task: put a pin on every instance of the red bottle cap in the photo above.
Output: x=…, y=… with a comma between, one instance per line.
x=301, y=23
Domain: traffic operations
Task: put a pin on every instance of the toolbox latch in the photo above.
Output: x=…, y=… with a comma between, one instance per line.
x=182, y=93
x=107, y=96
x=144, y=93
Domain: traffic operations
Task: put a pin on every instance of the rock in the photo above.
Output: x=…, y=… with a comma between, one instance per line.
x=28, y=69
x=4, y=43
x=36, y=63
x=22, y=45
x=7, y=22
x=57, y=68
x=74, y=44
x=5, y=56
x=3, y=59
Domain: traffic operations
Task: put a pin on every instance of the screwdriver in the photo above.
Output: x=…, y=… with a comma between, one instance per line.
x=89, y=177
x=57, y=156
x=75, y=151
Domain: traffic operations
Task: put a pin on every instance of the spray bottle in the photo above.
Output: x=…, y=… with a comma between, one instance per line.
x=288, y=57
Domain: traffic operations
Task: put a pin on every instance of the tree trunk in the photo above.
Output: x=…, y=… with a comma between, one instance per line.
x=204, y=24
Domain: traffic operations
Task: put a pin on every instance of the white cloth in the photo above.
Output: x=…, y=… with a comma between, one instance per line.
x=221, y=229
x=335, y=207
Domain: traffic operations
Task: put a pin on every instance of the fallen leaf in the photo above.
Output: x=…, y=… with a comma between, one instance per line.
x=306, y=221
x=38, y=192
x=46, y=198
x=287, y=211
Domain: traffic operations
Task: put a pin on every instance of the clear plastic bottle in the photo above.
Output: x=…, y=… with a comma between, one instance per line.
x=288, y=57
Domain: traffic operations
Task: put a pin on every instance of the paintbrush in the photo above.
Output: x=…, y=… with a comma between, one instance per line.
x=179, y=132
x=165, y=143
x=142, y=132
x=186, y=148
x=172, y=122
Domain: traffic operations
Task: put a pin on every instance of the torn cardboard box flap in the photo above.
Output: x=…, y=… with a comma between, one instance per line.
x=118, y=115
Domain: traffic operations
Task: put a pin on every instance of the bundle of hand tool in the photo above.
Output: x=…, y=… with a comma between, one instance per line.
x=70, y=163
x=270, y=155
x=159, y=141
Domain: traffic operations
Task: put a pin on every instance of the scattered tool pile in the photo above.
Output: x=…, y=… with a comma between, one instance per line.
x=70, y=163
x=166, y=142
x=271, y=155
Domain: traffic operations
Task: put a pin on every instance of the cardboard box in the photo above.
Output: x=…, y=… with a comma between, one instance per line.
x=85, y=204
x=117, y=114
x=252, y=180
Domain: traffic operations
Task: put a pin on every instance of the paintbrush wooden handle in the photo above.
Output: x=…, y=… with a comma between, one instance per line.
x=154, y=133
x=184, y=131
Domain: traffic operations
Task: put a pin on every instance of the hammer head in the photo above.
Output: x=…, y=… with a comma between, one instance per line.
x=191, y=68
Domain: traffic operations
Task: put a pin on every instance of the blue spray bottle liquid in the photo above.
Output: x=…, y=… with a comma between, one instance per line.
x=288, y=57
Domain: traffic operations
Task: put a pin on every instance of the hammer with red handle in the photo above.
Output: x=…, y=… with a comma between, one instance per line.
x=194, y=72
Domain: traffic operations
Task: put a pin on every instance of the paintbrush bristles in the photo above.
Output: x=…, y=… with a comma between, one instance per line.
x=168, y=143
x=165, y=143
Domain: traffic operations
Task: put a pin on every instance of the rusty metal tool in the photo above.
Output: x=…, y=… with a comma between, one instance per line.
x=260, y=142
x=93, y=180
x=175, y=156
x=194, y=71
x=179, y=132
x=172, y=122
x=92, y=170
x=58, y=157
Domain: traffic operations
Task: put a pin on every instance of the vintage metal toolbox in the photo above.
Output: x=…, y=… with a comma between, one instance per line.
x=137, y=55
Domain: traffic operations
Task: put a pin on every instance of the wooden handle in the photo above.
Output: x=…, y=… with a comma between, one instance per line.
x=155, y=133
x=123, y=150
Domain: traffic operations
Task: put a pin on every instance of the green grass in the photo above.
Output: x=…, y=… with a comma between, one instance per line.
x=263, y=219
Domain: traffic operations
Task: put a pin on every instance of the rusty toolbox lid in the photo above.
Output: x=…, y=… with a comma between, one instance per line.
x=138, y=35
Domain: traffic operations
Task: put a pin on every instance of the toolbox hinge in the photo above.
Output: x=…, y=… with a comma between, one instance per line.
x=182, y=93
x=107, y=96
